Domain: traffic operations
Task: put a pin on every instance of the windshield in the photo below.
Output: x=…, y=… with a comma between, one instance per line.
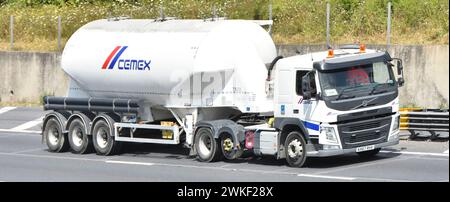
x=359, y=80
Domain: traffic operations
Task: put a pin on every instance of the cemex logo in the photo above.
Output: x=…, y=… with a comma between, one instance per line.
x=125, y=64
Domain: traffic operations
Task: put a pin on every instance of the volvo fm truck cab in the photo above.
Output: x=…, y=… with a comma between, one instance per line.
x=332, y=103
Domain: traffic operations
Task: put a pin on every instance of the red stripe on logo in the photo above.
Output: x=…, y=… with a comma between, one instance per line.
x=105, y=65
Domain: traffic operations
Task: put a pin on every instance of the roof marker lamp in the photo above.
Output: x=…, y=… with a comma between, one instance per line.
x=330, y=53
x=362, y=48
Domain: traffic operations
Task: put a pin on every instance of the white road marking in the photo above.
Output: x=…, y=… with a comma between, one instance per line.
x=51, y=157
x=27, y=125
x=6, y=109
x=20, y=131
x=29, y=150
x=327, y=177
x=446, y=152
x=131, y=163
x=416, y=153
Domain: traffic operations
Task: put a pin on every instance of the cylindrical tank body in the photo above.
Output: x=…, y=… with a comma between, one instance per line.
x=174, y=63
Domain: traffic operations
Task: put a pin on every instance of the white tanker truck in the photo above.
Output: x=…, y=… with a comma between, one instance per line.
x=219, y=88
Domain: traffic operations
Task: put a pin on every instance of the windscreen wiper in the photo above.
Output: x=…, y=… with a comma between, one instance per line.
x=376, y=87
x=343, y=92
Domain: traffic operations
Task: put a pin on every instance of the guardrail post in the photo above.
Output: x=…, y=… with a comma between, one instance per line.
x=270, y=16
x=59, y=33
x=388, y=34
x=11, y=32
x=328, y=24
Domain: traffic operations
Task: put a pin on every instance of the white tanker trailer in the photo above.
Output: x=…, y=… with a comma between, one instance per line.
x=219, y=88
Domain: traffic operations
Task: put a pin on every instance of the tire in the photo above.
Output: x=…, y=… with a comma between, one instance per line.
x=227, y=144
x=206, y=146
x=54, y=137
x=369, y=154
x=79, y=141
x=103, y=141
x=295, y=148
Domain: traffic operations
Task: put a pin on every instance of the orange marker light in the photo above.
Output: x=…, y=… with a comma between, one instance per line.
x=362, y=48
x=330, y=53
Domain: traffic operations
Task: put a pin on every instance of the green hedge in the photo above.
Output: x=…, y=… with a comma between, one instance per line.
x=296, y=21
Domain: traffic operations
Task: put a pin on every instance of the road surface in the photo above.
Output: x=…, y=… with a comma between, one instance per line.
x=24, y=158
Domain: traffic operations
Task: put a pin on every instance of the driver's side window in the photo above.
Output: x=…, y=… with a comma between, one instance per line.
x=298, y=81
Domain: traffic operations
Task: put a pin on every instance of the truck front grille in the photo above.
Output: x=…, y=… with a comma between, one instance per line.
x=364, y=133
x=364, y=126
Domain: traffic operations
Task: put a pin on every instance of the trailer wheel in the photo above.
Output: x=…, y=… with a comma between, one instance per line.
x=295, y=147
x=227, y=145
x=54, y=137
x=79, y=141
x=369, y=154
x=206, y=145
x=104, y=143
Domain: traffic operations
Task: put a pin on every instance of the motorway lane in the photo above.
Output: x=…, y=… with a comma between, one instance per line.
x=24, y=158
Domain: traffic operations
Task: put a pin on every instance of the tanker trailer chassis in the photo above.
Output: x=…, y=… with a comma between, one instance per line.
x=85, y=124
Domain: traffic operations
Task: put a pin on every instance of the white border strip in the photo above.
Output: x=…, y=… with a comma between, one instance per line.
x=28, y=124
x=20, y=131
x=6, y=109
x=446, y=152
x=327, y=177
x=416, y=153
x=131, y=163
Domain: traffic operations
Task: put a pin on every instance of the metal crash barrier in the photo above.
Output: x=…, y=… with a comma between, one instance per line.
x=430, y=120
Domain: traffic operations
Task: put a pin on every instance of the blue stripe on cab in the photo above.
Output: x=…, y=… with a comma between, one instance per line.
x=311, y=126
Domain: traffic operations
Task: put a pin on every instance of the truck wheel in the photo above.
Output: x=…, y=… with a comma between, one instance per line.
x=79, y=141
x=227, y=145
x=369, y=154
x=295, y=149
x=206, y=146
x=54, y=137
x=104, y=143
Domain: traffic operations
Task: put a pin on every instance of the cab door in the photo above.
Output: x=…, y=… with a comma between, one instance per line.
x=284, y=93
x=288, y=93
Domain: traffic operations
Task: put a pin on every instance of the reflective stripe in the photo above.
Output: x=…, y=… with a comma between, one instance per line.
x=312, y=126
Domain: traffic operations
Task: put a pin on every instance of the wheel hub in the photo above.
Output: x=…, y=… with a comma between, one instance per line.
x=53, y=136
x=227, y=145
x=205, y=145
x=102, y=138
x=77, y=137
x=295, y=149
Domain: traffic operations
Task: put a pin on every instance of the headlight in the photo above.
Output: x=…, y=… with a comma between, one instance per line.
x=329, y=134
x=396, y=125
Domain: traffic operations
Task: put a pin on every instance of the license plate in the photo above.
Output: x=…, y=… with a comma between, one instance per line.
x=365, y=148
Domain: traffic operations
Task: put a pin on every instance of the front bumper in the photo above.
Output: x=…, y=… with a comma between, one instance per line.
x=311, y=152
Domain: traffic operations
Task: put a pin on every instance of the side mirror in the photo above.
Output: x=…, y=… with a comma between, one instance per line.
x=401, y=81
x=399, y=67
